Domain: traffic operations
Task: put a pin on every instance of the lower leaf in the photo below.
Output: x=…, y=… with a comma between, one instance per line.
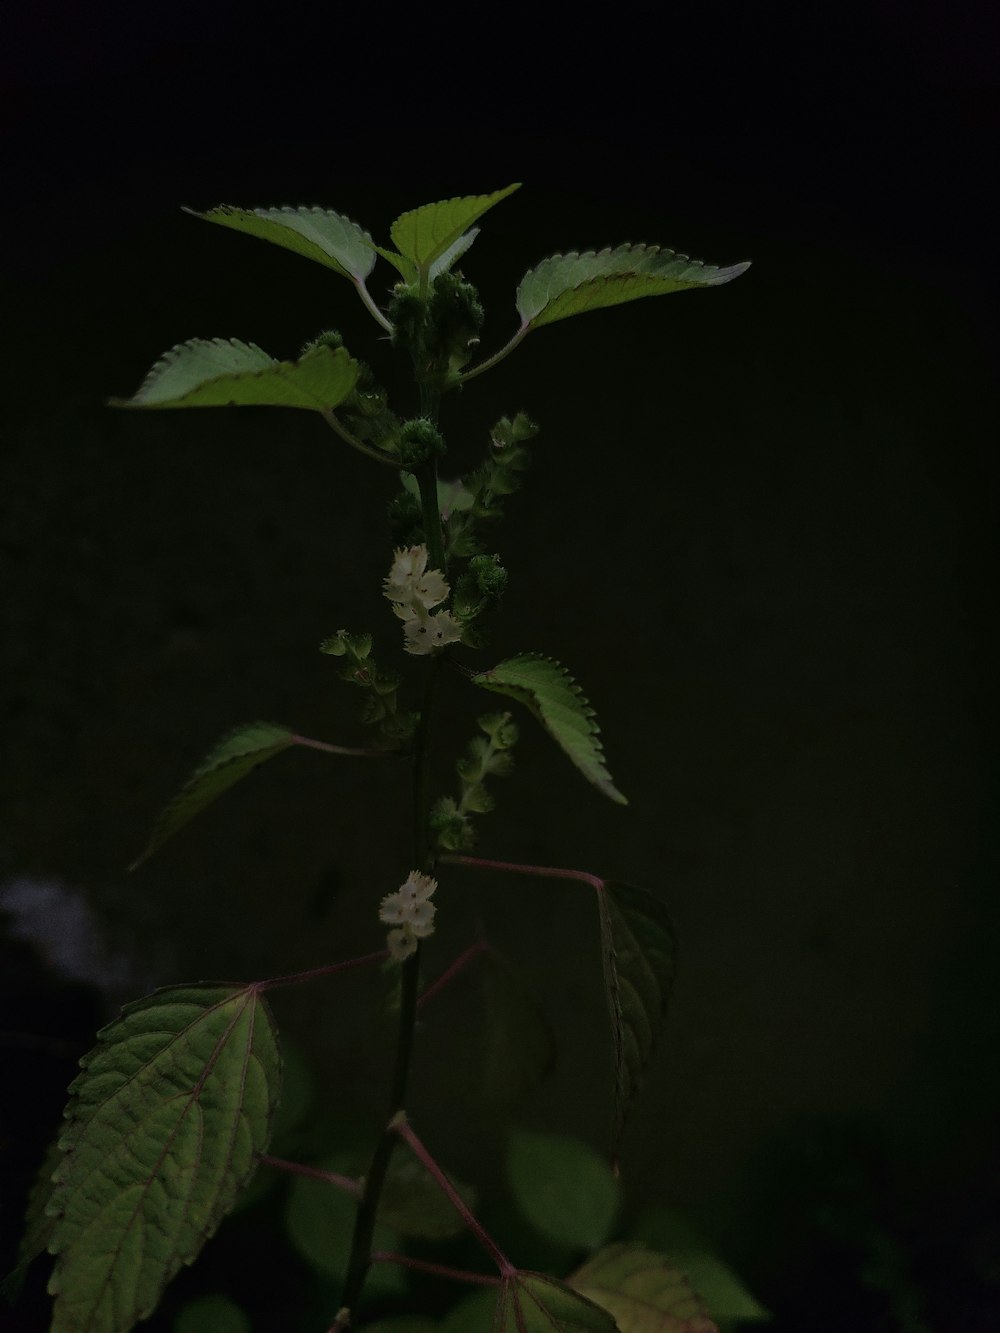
x=164, y=1126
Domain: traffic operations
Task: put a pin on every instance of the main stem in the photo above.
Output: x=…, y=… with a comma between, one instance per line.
x=364, y=1223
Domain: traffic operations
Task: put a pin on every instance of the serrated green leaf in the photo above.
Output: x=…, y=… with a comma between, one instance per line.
x=563, y=1188
x=637, y=942
x=319, y=1220
x=642, y=1290
x=724, y=1294
x=412, y=1203
x=224, y=372
x=211, y=1314
x=534, y=1303
x=163, y=1130
x=316, y=233
x=232, y=759
x=518, y=1044
x=548, y=690
x=572, y=284
x=424, y=234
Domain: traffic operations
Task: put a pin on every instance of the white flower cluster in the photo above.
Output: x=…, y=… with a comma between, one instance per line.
x=411, y=914
x=413, y=590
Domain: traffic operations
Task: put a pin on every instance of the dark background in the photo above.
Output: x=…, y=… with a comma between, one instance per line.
x=759, y=530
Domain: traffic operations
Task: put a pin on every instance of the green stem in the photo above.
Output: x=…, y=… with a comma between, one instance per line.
x=364, y=1223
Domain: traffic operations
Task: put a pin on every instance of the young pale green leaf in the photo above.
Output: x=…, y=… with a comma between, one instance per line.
x=642, y=1290
x=518, y=1047
x=725, y=1296
x=637, y=941
x=534, y=1303
x=232, y=759
x=164, y=1126
x=426, y=233
x=572, y=284
x=549, y=691
x=412, y=1203
x=563, y=1188
x=211, y=1314
x=315, y=233
x=221, y=372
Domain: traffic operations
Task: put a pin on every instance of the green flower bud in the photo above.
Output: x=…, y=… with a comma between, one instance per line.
x=419, y=441
x=329, y=338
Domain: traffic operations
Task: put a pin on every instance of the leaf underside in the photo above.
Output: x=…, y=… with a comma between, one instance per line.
x=642, y=1291
x=225, y=372
x=534, y=1303
x=572, y=284
x=425, y=233
x=637, y=941
x=232, y=759
x=164, y=1126
x=315, y=233
x=548, y=690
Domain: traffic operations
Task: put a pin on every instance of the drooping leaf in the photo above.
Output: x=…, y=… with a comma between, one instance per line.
x=224, y=372
x=319, y=1220
x=643, y=1291
x=163, y=1130
x=37, y=1224
x=425, y=233
x=724, y=1294
x=211, y=1314
x=549, y=691
x=637, y=941
x=412, y=1203
x=518, y=1044
x=563, y=1187
x=571, y=284
x=316, y=233
x=232, y=759
x=534, y=1303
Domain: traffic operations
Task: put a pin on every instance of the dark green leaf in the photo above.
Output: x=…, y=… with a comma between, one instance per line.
x=426, y=233
x=518, y=1044
x=224, y=372
x=548, y=690
x=534, y=1303
x=572, y=284
x=319, y=1219
x=232, y=759
x=211, y=1314
x=563, y=1187
x=37, y=1224
x=642, y=1290
x=637, y=942
x=164, y=1126
x=412, y=1203
x=315, y=233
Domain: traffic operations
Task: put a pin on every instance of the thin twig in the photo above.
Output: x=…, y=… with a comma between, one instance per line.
x=439, y=1270
x=316, y=973
x=345, y=1183
x=453, y=969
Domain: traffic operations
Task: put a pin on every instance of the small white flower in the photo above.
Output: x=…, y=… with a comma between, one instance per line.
x=410, y=911
x=413, y=590
x=424, y=632
x=411, y=583
x=402, y=943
